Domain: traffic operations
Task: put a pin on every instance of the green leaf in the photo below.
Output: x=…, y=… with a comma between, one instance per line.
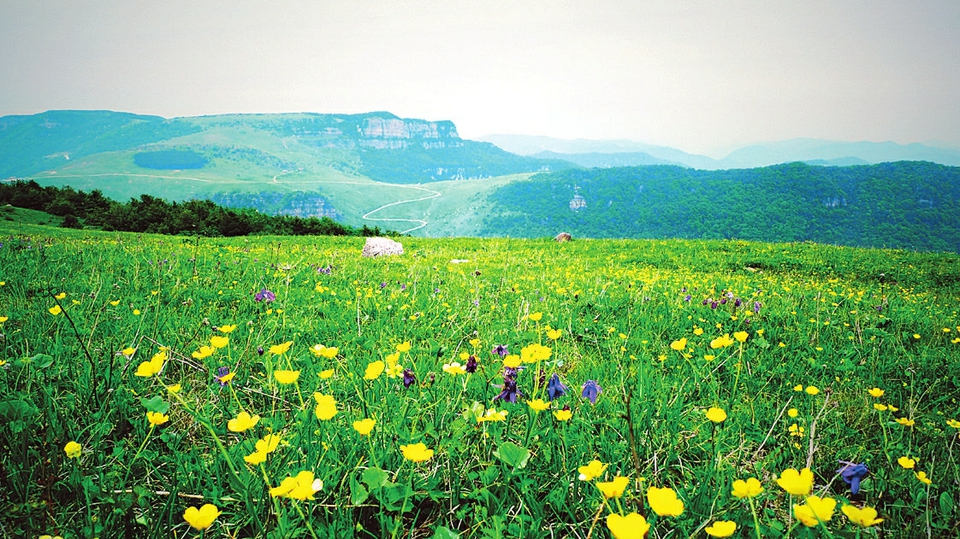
x=946, y=504
x=443, y=532
x=374, y=478
x=155, y=404
x=42, y=361
x=513, y=455
x=358, y=494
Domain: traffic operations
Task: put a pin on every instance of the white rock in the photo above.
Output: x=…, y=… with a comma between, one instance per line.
x=381, y=247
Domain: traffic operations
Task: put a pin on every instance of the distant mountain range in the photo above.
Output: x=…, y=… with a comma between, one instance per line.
x=613, y=153
x=419, y=176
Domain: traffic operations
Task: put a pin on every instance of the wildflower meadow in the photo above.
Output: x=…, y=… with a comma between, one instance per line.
x=275, y=387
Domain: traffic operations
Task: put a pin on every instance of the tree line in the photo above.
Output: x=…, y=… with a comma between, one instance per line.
x=155, y=215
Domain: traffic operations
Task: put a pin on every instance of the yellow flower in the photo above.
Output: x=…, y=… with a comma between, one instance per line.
x=55, y=310
x=256, y=458
x=906, y=463
x=454, y=368
x=721, y=342
x=875, y=393
x=278, y=349
x=404, y=346
x=922, y=477
x=302, y=487
x=721, y=528
x=374, y=370
x=592, y=470
x=812, y=390
x=953, y=423
x=128, y=352
x=796, y=483
x=492, y=415
x=243, y=421
x=3, y=319
x=512, y=361
x=815, y=511
x=563, y=415
x=136, y=312
x=537, y=405
x=664, y=502
x=717, y=415
x=554, y=334
x=474, y=342
x=219, y=341
x=227, y=328
x=615, y=488
x=741, y=336
x=534, y=352
x=535, y=316
x=61, y=295
x=147, y=369
x=286, y=377
x=679, y=344
x=879, y=407
x=793, y=412
x=861, y=517
x=798, y=387
x=72, y=449
x=326, y=374
x=202, y=518
x=906, y=422
x=204, y=351
x=156, y=418
x=751, y=488
x=320, y=350
x=417, y=452
x=326, y=406
x=364, y=426
x=115, y=302
x=632, y=526
x=698, y=331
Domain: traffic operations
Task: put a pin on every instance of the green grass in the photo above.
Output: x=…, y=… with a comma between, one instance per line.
x=837, y=319
x=11, y=214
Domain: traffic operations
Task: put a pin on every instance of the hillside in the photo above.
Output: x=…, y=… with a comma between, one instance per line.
x=335, y=165
x=912, y=205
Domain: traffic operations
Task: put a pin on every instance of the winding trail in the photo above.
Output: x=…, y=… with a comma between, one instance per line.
x=423, y=223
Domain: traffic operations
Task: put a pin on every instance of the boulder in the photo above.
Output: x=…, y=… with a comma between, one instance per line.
x=381, y=247
x=563, y=236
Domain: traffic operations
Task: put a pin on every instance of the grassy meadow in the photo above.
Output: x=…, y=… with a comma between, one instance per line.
x=277, y=387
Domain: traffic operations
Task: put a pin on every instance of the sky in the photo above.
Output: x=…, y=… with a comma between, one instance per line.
x=704, y=76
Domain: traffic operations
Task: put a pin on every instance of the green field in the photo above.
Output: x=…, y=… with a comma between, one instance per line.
x=131, y=367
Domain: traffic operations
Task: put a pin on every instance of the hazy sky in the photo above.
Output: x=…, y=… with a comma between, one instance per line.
x=702, y=76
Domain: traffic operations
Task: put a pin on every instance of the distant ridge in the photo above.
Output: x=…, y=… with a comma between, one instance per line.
x=607, y=153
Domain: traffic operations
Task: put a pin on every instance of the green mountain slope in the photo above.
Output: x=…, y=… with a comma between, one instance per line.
x=912, y=205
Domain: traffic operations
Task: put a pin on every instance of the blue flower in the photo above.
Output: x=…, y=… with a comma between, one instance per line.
x=852, y=473
x=555, y=388
x=471, y=366
x=509, y=392
x=265, y=295
x=500, y=350
x=591, y=390
x=408, y=378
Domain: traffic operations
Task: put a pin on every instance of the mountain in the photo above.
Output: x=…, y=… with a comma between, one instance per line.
x=914, y=205
x=376, y=145
x=611, y=153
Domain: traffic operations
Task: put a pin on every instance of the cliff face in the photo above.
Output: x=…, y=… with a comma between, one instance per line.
x=395, y=133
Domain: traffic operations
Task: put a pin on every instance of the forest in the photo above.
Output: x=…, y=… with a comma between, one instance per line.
x=155, y=215
x=913, y=205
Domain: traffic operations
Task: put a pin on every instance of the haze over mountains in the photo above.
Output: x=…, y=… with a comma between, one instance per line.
x=610, y=153
x=419, y=177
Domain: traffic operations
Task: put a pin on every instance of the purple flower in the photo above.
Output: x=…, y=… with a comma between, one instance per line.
x=408, y=378
x=756, y=306
x=471, y=366
x=687, y=298
x=326, y=271
x=500, y=350
x=591, y=390
x=737, y=302
x=259, y=350
x=509, y=392
x=383, y=285
x=265, y=295
x=852, y=473
x=555, y=388
x=713, y=304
